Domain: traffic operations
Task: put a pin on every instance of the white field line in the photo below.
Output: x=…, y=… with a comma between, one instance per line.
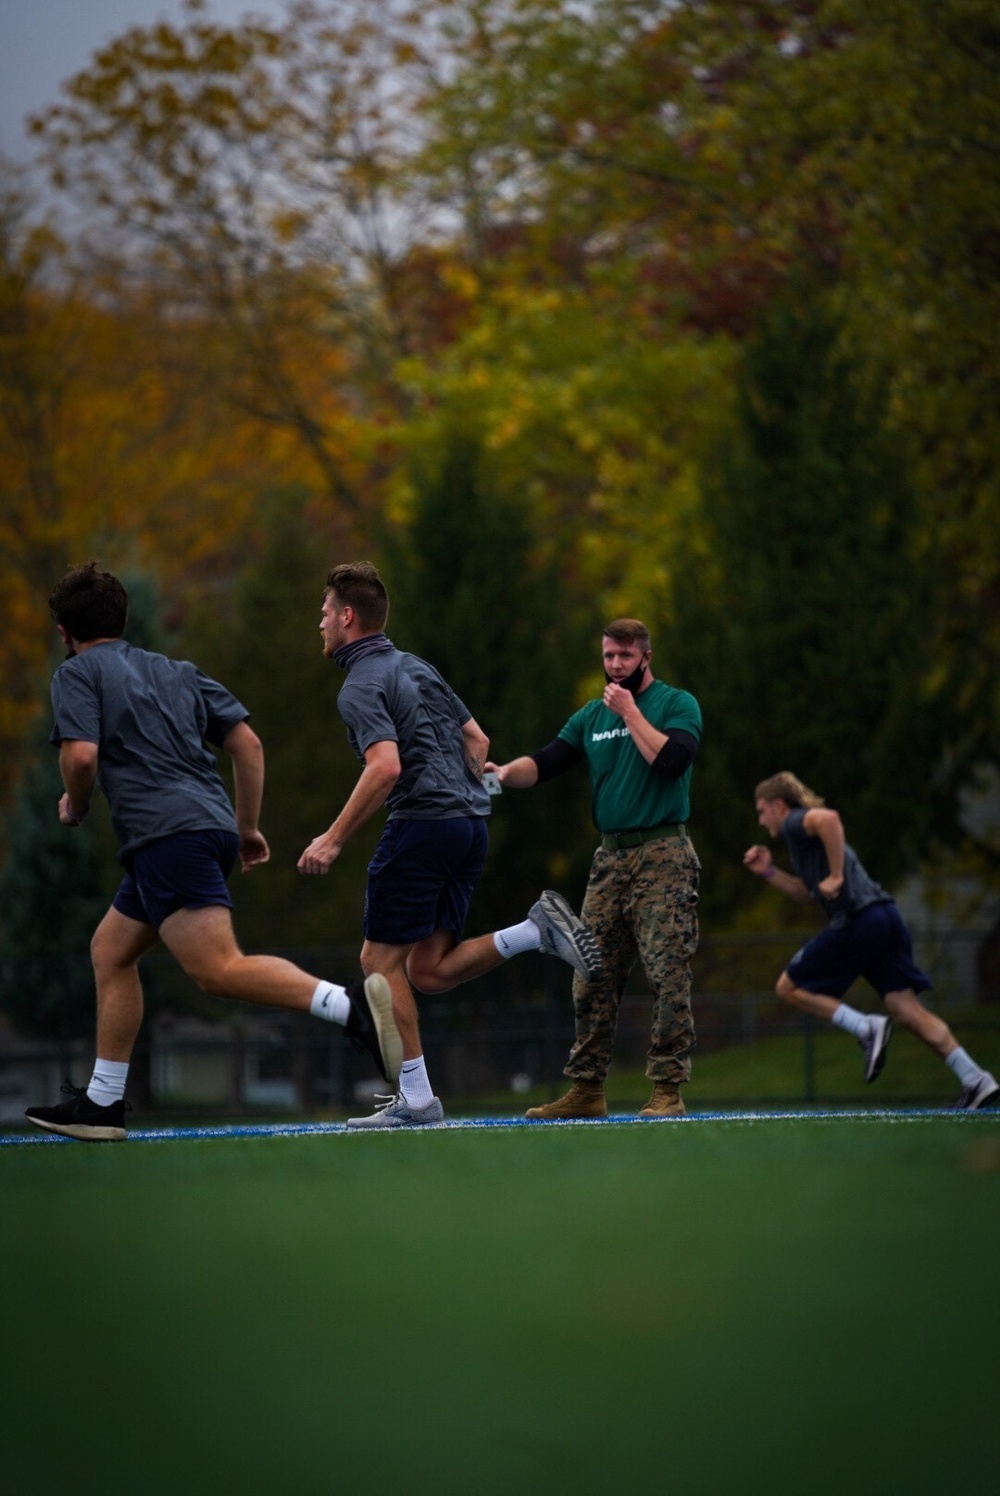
x=310, y=1129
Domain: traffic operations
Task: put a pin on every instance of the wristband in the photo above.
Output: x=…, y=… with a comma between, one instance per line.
x=770, y=872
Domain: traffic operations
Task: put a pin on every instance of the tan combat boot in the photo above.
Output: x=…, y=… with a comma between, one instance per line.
x=664, y=1102
x=585, y=1098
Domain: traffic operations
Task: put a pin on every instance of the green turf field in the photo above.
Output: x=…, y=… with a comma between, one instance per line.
x=709, y=1307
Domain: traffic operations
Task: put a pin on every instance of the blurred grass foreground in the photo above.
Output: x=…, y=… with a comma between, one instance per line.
x=715, y=1307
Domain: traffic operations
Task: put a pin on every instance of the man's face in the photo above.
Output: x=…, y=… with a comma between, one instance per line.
x=771, y=815
x=621, y=659
x=332, y=625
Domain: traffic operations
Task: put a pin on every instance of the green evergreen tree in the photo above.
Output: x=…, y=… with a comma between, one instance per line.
x=267, y=651
x=52, y=897
x=473, y=593
x=805, y=610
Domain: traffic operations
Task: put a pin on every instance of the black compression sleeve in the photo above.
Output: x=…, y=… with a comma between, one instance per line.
x=555, y=758
x=676, y=754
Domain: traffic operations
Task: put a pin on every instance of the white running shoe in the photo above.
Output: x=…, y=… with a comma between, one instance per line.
x=393, y=1111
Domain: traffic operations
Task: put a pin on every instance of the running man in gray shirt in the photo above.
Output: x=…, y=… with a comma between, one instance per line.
x=865, y=937
x=140, y=725
x=423, y=754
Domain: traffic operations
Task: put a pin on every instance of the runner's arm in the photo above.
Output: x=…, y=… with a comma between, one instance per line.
x=758, y=860
x=78, y=767
x=382, y=769
x=827, y=825
x=247, y=752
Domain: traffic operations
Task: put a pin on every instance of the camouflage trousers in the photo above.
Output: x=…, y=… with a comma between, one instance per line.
x=641, y=902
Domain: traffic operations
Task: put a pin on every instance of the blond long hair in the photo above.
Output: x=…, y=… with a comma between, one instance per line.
x=788, y=787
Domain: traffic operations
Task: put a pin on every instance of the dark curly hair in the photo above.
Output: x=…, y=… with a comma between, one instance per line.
x=90, y=604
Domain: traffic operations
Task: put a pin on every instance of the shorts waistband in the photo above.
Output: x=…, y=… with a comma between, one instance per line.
x=615, y=841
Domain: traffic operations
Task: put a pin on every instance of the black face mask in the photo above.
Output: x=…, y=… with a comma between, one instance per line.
x=631, y=682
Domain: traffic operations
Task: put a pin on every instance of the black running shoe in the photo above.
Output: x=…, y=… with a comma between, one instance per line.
x=82, y=1118
x=371, y=1026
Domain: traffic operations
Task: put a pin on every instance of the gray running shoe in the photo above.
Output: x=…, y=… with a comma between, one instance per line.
x=875, y=1045
x=393, y=1111
x=985, y=1092
x=566, y=936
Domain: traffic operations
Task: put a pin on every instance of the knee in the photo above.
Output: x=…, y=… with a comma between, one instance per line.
x=212, y=983
x=104, y=952
x=213, y=977
x=427, y=979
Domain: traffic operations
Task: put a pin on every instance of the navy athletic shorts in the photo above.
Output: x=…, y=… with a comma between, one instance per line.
x=421, y=878
x=185, y=871
x=874, y=944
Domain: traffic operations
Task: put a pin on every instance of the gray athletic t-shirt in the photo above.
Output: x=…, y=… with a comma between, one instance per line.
x=808, y=858
x=390, y=696
x=151, y=719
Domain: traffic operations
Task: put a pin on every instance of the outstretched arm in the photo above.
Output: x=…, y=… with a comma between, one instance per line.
x=519, y=774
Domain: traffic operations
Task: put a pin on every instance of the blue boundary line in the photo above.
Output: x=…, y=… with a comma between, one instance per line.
x=323, y=1129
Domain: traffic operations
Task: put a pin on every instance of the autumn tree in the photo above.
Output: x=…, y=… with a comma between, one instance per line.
x=40, y=355
x=256, y=176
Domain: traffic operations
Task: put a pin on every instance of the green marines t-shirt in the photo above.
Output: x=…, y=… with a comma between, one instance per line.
x=625, y=793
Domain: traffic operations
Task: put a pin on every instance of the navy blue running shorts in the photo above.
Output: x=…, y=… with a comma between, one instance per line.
x=185, y=871
x=874, y=944
x=421, y=878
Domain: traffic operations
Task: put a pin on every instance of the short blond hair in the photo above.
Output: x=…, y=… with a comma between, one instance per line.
x=788, y=787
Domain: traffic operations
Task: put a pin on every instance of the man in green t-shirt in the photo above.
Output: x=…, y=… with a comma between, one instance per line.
x=639, y=741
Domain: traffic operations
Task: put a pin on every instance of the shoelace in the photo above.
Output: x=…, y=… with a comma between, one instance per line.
x=68, y=1089
x=382, y=1103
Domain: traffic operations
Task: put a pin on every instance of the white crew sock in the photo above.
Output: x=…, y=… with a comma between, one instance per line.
x=850, y=1019
x=107, y=1084
x=330, y=1002
x=517, y=939
x=964, y=1066
x=414, y=1086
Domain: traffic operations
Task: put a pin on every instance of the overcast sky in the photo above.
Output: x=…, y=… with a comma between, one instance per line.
x=44, y=41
